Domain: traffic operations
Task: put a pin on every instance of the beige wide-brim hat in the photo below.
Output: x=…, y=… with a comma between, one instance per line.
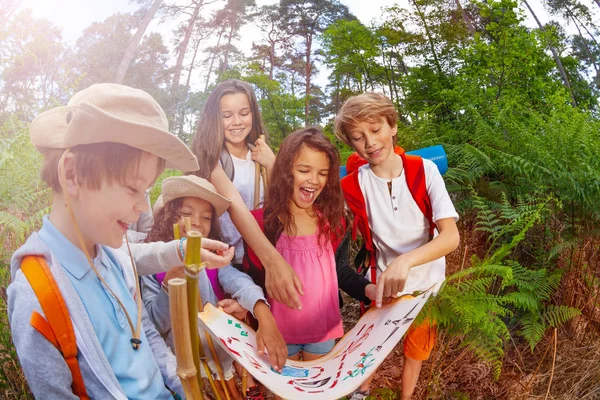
x=176, y=187
x=158, y=204
x=108, y=112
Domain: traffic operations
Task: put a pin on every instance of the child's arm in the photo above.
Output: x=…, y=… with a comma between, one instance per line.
x=350, y=281
x=44, y=366
x=156, y=299
x=282, y=283
x=241, y=287
x=269, y=336
x=155, y=257
x=393, y=278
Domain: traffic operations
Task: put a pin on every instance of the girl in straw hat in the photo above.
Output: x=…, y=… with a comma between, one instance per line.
x=196, y=198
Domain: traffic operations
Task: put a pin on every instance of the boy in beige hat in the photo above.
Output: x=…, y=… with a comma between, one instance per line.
x=74, y=304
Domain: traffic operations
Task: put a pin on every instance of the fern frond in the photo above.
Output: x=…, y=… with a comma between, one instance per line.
x=555, y=316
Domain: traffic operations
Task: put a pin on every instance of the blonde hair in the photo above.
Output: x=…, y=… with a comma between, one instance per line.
x=366, y=107
x=94, y=163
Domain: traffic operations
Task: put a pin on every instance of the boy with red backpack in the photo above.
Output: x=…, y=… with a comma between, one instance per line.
x=404, y=214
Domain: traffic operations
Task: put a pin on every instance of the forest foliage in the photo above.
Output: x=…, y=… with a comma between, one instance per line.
x=516, y=109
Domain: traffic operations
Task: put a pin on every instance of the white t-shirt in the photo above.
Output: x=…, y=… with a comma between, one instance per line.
x=243, y=180
x=398, y=225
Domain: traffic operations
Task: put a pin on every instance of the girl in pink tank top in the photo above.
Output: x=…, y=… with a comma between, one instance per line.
x=303, y=217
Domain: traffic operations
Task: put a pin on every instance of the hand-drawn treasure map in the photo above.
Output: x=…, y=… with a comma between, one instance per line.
x=353, y=359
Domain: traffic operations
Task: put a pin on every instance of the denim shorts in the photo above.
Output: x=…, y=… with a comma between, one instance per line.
x=314, y=348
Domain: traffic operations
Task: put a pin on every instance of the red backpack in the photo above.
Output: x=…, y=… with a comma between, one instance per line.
x=415, y=180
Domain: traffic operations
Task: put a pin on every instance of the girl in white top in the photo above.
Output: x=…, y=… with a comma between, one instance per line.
x=228, y=133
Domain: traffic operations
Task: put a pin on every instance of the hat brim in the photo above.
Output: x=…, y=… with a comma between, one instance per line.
x=177, y=188
x=69, y=126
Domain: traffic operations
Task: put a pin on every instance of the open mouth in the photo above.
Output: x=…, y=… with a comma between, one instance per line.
x=374, y=153
x=123, y=224
x=307, y=194
x=236, y=132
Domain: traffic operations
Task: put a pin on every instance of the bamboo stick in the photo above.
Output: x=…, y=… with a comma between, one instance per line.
x=188, y=226
x=213, y=352
x=256, y=184
x=176, y=232
x=193, y=266
x=186, y=369
x=192, y=270
x=244, y=381
x=263, y=170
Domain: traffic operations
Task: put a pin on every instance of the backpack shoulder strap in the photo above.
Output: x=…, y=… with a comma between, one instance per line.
x=227, y=163
x=57, y=327
x=415, y=179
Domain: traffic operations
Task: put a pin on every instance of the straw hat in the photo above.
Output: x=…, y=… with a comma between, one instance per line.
x=108, y=112
x=176, y=187
x=158, y=204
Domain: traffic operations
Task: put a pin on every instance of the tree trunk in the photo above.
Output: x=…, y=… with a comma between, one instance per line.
x=187, y=85
x=307, y=71
x=429, y=39
x=135, y=41
x=183, y=48
x=587, y=48
x=212, y=60
x=561, y=69
x=271, y=60
x=226, y=54
x=466, y=17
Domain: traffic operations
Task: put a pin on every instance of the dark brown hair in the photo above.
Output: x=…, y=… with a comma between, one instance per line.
x=169, y=214
x=210, y=136
x=330, y=203
x=95, y=162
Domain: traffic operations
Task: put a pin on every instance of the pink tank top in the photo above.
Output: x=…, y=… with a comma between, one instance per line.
x=320, y=318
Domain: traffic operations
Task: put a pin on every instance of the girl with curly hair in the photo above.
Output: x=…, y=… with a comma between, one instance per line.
x=304, y=218
x=196, y=198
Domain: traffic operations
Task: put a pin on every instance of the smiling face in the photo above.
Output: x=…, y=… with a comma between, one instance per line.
x=374, y=141
x=200, y=212
x=310, y=171
x=104, y=214
x=236, y=115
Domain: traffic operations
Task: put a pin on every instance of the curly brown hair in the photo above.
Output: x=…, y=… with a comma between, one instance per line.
x=162, y=230
x=330, y=203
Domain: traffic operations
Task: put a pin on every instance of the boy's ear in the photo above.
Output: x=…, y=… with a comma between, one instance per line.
x=70, y=174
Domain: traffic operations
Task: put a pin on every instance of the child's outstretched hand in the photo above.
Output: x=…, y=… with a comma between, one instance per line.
x=262, y=154
x=371, y=294
x=269, y=336
x=392, y=280
x=216, y=254
x=231, y=306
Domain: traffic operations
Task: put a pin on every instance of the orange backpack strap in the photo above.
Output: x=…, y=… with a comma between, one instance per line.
x=57, y=327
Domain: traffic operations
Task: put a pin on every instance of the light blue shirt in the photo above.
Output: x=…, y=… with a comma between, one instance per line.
x=136, y=370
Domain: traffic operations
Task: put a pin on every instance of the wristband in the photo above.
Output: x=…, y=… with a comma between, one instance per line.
x=181, y=252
